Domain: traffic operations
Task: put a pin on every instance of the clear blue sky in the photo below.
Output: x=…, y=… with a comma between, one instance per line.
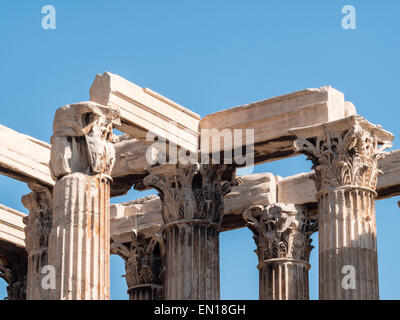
x=207, y=55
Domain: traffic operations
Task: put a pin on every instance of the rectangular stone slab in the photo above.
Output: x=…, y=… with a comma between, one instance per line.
x=130, y=164
x=143, y=110
x=142, y=214
x=145, y=214
x=24, y=158
x=12, y=226
x=256, y=189
x=271, y=119
x=389, y=182
x=300, y=188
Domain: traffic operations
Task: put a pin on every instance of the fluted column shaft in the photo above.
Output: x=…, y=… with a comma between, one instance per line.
x=192, y=261
x=192, y=207
x=146, y=292
x=282, y=235
x=284, y=279
x=347, y=237
x=80, y=236
x=345, y=156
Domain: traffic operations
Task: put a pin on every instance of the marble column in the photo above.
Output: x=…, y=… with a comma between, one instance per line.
x=345, y=156
x=192, y=207
x=38, y=224
x=82, y=157
x=144, y=258
x=282, y=235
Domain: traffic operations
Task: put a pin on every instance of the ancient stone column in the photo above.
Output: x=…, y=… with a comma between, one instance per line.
x=13, y=271
x=345, y=157
x=192, y=207
x=82, y=157
x=282, y=235
x=38, y=224
x=144, y=259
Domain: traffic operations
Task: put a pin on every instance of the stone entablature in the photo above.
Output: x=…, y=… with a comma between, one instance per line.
x=162, y=239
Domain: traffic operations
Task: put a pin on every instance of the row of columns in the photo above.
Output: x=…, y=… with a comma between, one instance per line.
x=181, y=260
x=345, y=160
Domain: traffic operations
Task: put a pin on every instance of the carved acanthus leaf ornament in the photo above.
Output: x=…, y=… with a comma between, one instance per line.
x=193, y=192
x=144, y=259
x=38, y=222
x=281, y=231
x=344, y=159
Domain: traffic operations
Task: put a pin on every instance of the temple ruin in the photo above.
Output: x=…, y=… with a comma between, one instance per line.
x=170, y=242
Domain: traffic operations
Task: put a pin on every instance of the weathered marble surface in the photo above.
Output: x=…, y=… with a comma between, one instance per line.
x=192, y=199
x=143, y=110
x=13, y=257
x=282, y=235
x=82, y=159
x=85, y=154
x=300, y=188
x=37, y=230
x=261, y=189
x=24, y=158
x=144, y=256
x=272, y=119
x=12, y=226
x=345, y=156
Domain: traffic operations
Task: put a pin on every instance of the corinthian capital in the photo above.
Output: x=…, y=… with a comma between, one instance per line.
x=281, y=231
x=144, y=259
x=344, y=152
x=192, y=192
x=38, y=222
x=82, y=139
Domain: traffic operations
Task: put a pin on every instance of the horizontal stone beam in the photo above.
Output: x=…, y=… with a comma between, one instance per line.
x=12, y=234
x=143, y=110
x=272, y=119
x=389, y=181
x=263, y=189
x=13, y=257
x=143, y=214
x=24, y=158
x=130, y=164
x=300, y=189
